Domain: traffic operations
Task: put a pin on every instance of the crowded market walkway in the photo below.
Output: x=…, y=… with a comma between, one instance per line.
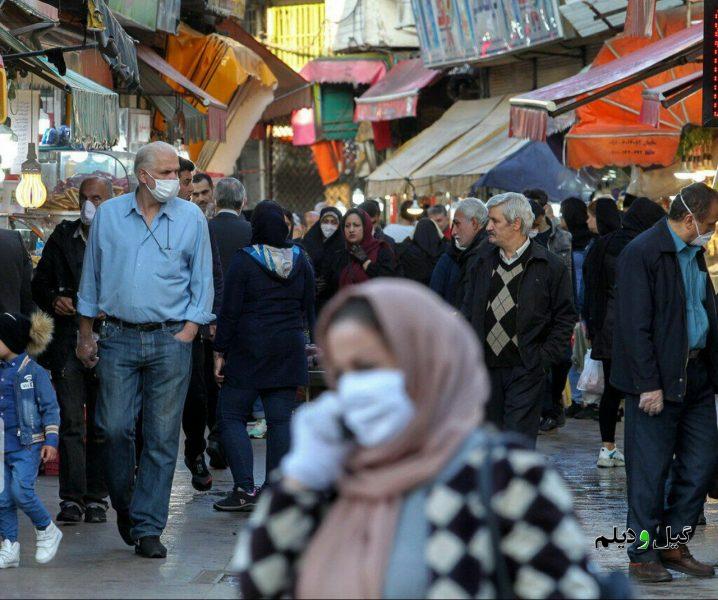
x=94, y=563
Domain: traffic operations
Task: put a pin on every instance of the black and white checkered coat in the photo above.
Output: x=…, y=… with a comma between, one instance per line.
x=541, y=541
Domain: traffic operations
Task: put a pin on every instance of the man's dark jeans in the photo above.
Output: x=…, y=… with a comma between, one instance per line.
x=81, y=470
x=147, y=371
x=680, y=441
x=233, y=413
x=554, y=386
x=194, y=416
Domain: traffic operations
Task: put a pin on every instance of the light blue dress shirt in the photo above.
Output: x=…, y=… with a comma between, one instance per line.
x=140, y=276
x=694, y=283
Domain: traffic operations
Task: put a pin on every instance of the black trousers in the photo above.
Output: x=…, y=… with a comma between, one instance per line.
x=673, y=451
x=516, y=398
x=212, y=390
x=555, y=384
x=608, y=409
x=195, y=415
x=81, y=466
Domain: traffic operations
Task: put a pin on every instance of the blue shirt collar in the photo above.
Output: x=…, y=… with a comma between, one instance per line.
x=168, y=208
x=680, y=244
x=15, y=362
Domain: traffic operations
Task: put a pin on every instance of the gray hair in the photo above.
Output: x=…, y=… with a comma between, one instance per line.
x=145, y=157
x=514, y=206
x=230, y=193
x=102, y=179
x=473, y=208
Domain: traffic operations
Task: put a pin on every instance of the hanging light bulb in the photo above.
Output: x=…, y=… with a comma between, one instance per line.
x=415, y=210
x=357, y=197
x=31, y=192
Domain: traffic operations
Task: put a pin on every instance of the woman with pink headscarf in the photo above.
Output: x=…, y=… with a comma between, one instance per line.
x=384, y=491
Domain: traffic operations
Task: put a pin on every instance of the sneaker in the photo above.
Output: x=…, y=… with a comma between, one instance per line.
x=548, y=425
x=95, y=513
x=588, y=412
x=236, y=501
x=572, y=410
x=610, y=458
x=259, y=430
x=201, y=479
x=9, y=554
x=48, y=540
x=70, y=512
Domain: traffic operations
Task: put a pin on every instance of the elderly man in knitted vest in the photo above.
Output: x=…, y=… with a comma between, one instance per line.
x=519, y=301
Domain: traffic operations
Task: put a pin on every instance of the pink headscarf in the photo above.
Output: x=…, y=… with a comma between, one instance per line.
x=447, y=380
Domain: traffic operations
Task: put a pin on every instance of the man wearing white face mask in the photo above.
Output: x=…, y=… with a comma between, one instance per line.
x=54, y=288
x=148, y=267
x=665, y=358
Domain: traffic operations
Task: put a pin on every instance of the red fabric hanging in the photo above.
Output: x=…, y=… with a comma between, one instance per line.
x=382, y=135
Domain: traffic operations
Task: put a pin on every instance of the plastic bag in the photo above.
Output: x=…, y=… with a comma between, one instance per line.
x=591, y=379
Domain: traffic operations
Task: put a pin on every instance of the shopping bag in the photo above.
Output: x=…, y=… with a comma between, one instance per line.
x=591, y=379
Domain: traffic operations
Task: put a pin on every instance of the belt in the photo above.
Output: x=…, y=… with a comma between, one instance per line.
x=142, y=326
x=693, y=354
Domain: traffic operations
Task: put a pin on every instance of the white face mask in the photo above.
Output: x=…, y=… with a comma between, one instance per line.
x=458, y=245
x=165, y=189
x=533, y=233
x=375, y=405
x=702, y=238
x=328, y=230
x=87, y=213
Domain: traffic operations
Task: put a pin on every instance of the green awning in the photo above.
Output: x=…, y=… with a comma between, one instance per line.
x=95, y=111
x=94, y=121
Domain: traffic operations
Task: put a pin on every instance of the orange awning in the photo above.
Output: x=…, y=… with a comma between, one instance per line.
x=610, y=131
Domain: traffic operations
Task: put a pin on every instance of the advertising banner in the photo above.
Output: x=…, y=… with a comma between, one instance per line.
x=456, y=31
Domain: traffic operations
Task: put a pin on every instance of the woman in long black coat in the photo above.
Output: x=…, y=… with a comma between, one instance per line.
x=418, y=256
x=260, y=341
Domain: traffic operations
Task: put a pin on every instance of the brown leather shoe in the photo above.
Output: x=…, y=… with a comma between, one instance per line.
x=682, y=560
x=649, y=572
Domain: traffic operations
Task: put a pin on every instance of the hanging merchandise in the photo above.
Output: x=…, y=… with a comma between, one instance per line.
x=3, y=92
x=31, y=192
x=327, y=156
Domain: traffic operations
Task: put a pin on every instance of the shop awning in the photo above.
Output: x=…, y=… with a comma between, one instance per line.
x=169, y=103
x=612, y=130
x=216, y=110
x=293, y=92
x=534, y=165
x=530, y=112
x=668, y=94
x=397, y=94
x=466, y=142
x=356, y=71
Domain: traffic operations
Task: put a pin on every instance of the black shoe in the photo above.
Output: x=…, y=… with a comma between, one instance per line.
x=548, y=424
x=95, y=513
x=216, y=456
x=236, y=501
x=561, y=420
x=572, y=410
x=124, y=525
x=150, y=547
x=201, y=479
x=590, y=412
x=69, y=513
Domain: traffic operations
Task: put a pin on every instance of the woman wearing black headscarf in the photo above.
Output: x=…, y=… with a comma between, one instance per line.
x=600, y=314
x=419, y=254
x=260, y=341
x=574, y=218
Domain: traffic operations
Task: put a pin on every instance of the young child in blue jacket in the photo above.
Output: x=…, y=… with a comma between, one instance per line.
x=30, y=421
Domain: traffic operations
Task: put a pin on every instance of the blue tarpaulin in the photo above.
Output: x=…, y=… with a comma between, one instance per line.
x=532, y=166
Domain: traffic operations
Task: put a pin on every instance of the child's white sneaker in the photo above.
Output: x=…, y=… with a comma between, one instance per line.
x=9, y=554
x=47, y=542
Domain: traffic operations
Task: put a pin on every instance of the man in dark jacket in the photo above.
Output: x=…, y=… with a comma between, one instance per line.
x=229, y=226
x=665, y=358
x=15, y=274
x=54, y=287
x=519, y=301
x=372, y=208
x=451, y=272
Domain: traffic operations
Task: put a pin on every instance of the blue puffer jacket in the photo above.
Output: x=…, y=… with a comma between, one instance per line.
x=38, y=413
x=445, y=278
